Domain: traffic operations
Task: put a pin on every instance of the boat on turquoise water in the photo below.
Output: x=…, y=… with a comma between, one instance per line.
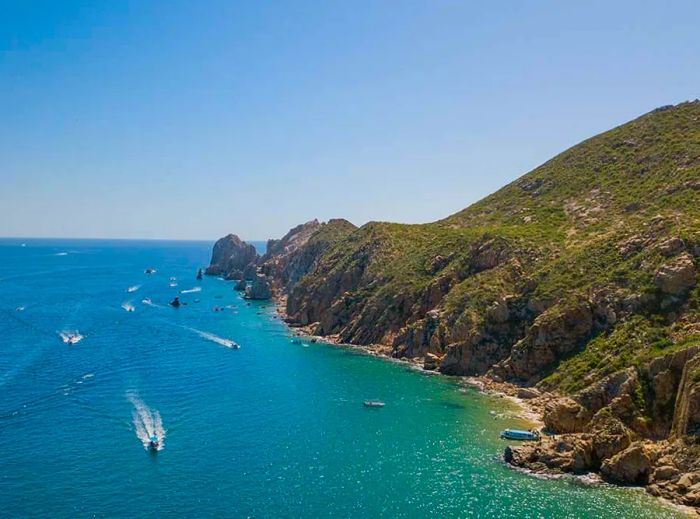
x=71, y=337
x=373, y=403
x=520, y=434
x=153, y=443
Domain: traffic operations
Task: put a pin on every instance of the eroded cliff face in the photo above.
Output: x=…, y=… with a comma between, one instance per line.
x=296, y=254
x=284, y=263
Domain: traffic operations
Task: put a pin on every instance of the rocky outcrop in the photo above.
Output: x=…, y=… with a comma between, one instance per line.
x=230, y=256
x=289, y=259
x=631, y=466
x=295, y=238
x=570, y=454
x=686, y=419
x=608, y=426
x=555, y=333
x=677, y=276
x=260, y=288
x=566, y=416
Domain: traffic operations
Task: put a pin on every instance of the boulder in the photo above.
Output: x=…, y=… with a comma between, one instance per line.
x=431, y=362
x=692, y=498
x=665, y=473
x=565, y=415
x=527, y=393
x=240, y=285
x=631, y=466
x=677, y=276
x=687, y=481
x=610, y=436
x=671, y=246
x=568, y=453
x=603, y=392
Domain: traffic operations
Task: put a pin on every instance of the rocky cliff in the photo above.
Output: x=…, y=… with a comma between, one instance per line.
x=231, y=256
x=578, y=280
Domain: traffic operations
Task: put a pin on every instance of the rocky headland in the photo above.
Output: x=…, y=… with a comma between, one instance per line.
x=574, y=288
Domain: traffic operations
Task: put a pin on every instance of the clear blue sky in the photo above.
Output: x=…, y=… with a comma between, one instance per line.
x=171, y=119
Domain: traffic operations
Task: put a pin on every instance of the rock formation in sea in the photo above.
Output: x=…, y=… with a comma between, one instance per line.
x=230, y=256
x=577, y=282
x=259, y=288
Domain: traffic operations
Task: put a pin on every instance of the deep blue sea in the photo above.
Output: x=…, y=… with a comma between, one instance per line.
x=273, y=429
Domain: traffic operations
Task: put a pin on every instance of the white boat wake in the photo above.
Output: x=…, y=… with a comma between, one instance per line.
x=147, y=423
x=61, y=254
x=133, y=288
x=71, y=337
x=128, y=306
x=215, y=338
x=147, y=301
x=190, y=290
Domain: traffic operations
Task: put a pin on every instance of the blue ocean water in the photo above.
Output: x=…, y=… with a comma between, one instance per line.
x=273, y=429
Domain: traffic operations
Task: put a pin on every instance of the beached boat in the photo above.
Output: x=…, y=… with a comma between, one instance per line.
x=519, y=434
x=373, y=403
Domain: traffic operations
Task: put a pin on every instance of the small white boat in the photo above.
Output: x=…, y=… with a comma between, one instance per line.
x=374, y=403
x=71, y=337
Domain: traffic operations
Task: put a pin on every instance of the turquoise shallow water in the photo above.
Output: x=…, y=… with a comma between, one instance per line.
x=274, y=429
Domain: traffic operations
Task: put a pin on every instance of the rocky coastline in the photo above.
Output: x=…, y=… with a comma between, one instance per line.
x=577, y=441
x=573, y=290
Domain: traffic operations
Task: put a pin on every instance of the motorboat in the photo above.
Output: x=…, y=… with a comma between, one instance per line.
x=71, y=337
x=374, y=403
x=150, y=270
x=520, y=434
x=153, y=443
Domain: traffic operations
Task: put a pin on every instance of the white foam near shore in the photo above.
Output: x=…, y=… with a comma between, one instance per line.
x=128, y=306
x=133, y=288
x=147, y=422
x=190, y=290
